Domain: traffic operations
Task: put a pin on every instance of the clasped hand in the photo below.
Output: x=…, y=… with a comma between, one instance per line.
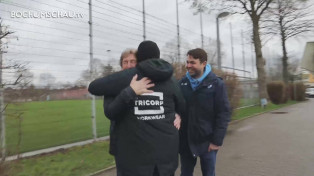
x=141, y=86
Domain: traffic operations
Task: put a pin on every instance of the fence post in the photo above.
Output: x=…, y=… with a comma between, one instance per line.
x=2, y=115
x=243, y=52
x=178, y=32
x=92, y=68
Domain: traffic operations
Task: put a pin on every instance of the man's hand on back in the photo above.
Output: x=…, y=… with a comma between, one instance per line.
x=141, y=86
x=213, y=147
x=177, y=121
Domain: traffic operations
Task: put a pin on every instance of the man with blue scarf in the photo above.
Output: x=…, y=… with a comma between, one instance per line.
x=207, y=115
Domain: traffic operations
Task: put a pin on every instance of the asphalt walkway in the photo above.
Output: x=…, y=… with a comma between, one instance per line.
x=278, y=143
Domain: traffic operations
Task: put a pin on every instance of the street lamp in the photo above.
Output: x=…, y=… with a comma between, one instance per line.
x=232, y=53
x=144, y=22
x=221, y=15
x=201, y=22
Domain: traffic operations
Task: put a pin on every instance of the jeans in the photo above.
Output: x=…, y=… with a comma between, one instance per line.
x=208, y=162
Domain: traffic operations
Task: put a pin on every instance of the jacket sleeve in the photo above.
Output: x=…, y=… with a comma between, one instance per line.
x=115, y=108
x=113, y=84
x=222, y=113
x=178, y=98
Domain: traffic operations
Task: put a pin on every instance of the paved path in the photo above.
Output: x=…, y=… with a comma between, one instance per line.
x=270, y=144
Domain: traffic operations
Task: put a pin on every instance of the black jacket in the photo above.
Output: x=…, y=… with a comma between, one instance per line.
x=113, y=135
x=146, y=136
x=207, y=115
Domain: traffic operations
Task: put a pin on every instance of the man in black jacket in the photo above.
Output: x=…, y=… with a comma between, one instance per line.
x=207, y=114
x=147, y=141
x=128, y=60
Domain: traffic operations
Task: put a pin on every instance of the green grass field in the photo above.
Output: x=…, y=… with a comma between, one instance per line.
x=52, y=123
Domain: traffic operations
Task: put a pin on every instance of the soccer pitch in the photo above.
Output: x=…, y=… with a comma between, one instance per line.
x=51, y=123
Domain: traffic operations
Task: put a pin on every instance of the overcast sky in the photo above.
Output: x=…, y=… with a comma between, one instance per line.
x=60, y=46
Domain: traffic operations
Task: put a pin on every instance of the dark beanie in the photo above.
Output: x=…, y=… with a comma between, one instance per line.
x=147, y=50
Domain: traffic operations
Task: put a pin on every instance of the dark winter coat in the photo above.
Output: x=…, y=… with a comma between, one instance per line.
x=113, y=135
x=146, y=136
x=207, y=115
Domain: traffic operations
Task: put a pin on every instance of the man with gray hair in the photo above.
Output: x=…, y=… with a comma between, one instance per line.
x=128, y=59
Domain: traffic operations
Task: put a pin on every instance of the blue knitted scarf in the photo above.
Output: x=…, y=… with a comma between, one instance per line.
x=197, y=82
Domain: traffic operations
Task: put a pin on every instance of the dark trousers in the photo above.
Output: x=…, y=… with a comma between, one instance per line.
x=119, y=173
x=208, y=162
x=156, y=173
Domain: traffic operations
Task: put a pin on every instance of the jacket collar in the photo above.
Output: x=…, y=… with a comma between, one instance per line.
x=208, y=80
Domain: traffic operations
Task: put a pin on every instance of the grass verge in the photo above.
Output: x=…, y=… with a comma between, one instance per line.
x=250, y=111
x=76, y=161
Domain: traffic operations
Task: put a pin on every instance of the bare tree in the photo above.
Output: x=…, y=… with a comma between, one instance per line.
x=107, y=70
x=210, y=46
x=47, y=80
x=4, y=32
x=100, y=70
x=171, y=50
x=98, y=67
x=179, y=63
x=21, y=78
x=84, y=79
x=287, y=19
x=255, y=9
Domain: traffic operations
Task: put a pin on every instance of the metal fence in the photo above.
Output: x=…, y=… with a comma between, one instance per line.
x=50, y=113
x=249, y=93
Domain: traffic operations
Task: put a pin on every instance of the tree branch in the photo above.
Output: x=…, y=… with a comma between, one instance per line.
x=265, y=8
